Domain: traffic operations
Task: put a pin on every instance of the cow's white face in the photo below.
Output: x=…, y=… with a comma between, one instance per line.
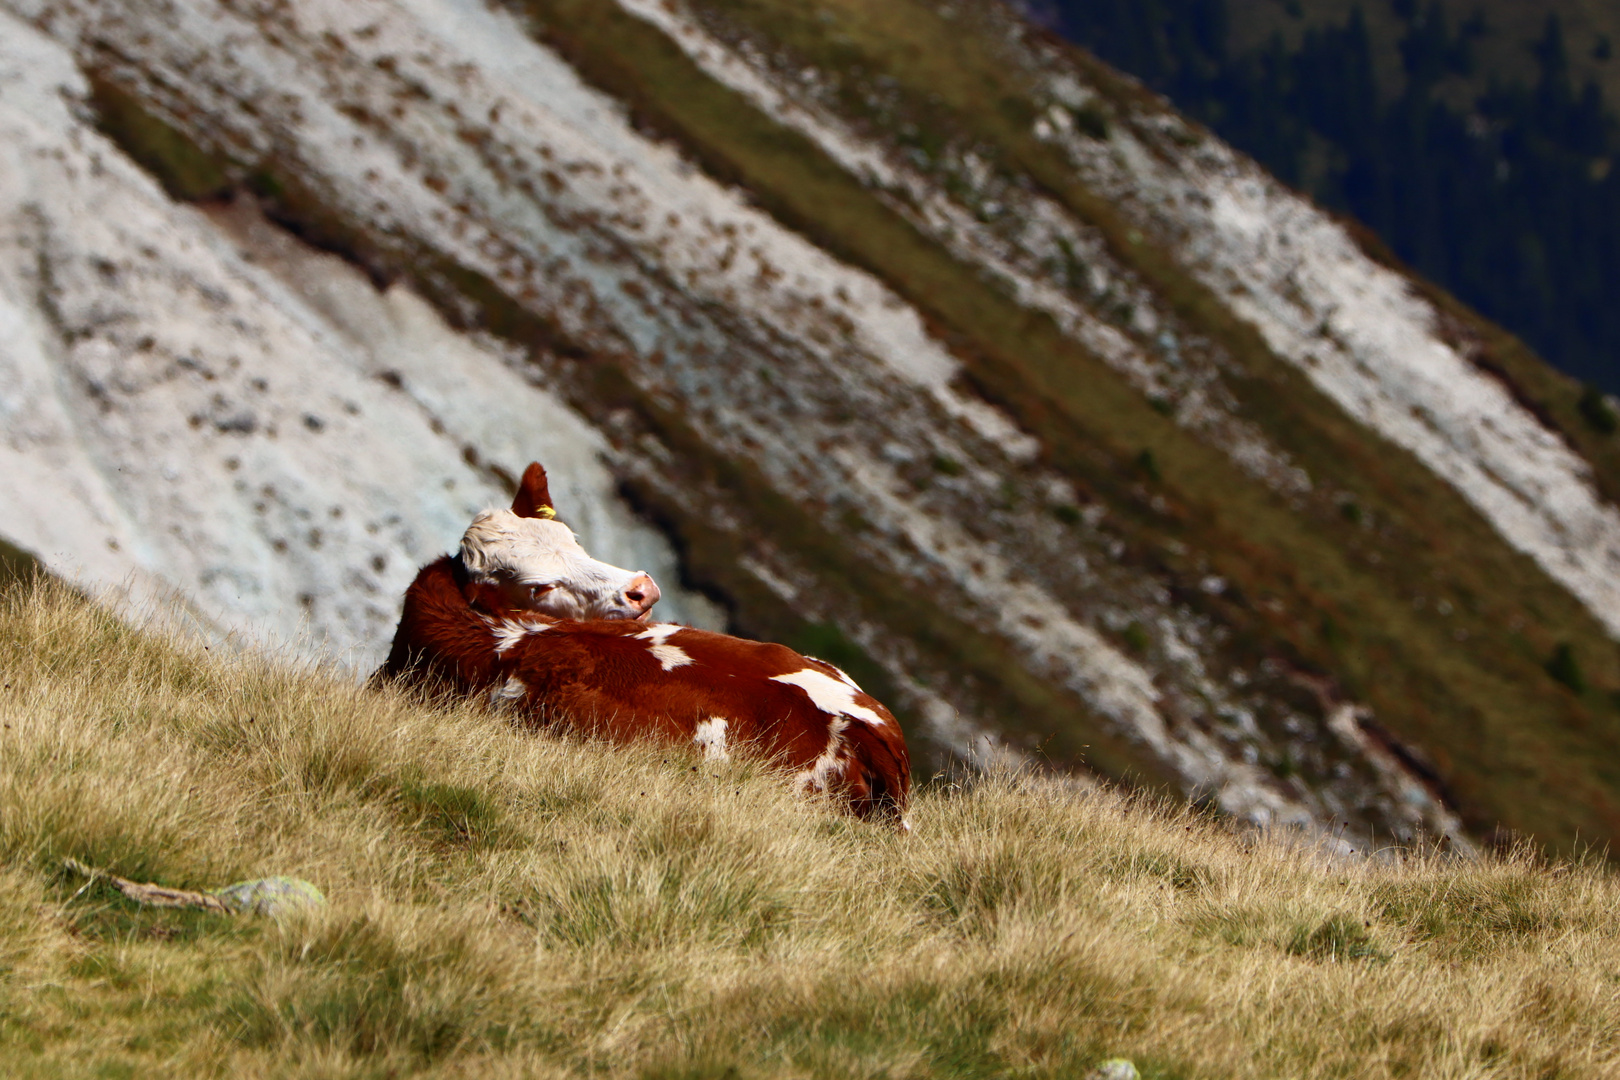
x=539, y=566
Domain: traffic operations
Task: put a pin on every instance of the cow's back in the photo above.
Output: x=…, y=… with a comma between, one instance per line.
x=725, y=693
x=626, y=680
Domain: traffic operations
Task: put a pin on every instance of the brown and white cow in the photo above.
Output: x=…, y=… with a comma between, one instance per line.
x=523, y=615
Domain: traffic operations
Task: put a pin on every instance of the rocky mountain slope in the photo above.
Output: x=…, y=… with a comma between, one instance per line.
x=902, y=333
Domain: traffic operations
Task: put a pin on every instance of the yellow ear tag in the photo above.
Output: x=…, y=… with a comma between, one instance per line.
x=546, y=512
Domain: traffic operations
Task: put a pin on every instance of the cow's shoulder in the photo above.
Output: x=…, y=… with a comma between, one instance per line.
x=438, y=635
x=436, y=584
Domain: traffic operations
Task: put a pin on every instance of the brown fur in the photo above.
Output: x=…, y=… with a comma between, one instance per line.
x=610, y=678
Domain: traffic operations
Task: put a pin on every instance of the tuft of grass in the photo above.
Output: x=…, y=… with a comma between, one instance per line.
x=1148, y=466
x=462, y=815
x=1335, y=939
x=17, y=566
x=646, y=913
x=1135, y=637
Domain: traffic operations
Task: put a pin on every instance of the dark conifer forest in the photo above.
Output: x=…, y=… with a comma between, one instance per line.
x=1509, y=199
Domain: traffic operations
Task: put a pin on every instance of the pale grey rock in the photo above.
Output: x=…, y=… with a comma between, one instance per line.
x=1115, y=1069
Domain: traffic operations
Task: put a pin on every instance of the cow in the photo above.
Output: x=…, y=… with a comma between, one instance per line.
x=521, y=614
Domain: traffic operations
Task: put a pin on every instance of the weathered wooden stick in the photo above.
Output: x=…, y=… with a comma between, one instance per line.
x=273, y=896
x=155, y=895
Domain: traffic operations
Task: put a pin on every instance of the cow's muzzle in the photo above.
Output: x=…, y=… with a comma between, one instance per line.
x=640, y=595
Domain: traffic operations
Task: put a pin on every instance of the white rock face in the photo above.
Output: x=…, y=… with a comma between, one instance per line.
x=194, y=407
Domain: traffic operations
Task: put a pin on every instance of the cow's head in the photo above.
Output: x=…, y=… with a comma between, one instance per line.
x=524, y=559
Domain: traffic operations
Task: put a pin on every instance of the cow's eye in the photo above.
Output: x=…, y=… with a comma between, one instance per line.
x=537, y=591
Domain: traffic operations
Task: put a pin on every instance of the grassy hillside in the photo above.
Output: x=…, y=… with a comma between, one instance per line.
x=505, y=903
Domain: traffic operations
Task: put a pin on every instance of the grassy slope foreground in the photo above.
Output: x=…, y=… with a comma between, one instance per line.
x=506, y=903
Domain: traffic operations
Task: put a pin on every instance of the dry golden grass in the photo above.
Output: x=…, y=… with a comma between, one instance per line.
x=506, y=903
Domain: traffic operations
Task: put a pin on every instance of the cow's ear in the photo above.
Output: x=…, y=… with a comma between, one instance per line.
x=533, y=494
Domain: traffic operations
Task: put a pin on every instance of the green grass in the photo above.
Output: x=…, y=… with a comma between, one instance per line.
x=647, y=914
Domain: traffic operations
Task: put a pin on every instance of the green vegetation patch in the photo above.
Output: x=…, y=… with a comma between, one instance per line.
x=187, y=170
x=462, y=815
x=1336, y=939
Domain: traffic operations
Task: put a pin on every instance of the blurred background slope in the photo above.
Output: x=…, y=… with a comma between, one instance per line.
x=904, y=333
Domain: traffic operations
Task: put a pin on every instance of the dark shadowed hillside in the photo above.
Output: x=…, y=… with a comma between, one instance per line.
x=1476, y=139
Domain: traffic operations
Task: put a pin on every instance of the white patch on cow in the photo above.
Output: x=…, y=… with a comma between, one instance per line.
x=513, y=689
x=508, y=632
x=830, y=695
x=831, y=762
x=838, y=671
x=711, y=735
x=670, y=656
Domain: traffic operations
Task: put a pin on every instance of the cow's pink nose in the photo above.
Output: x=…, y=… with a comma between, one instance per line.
x=642, y=593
